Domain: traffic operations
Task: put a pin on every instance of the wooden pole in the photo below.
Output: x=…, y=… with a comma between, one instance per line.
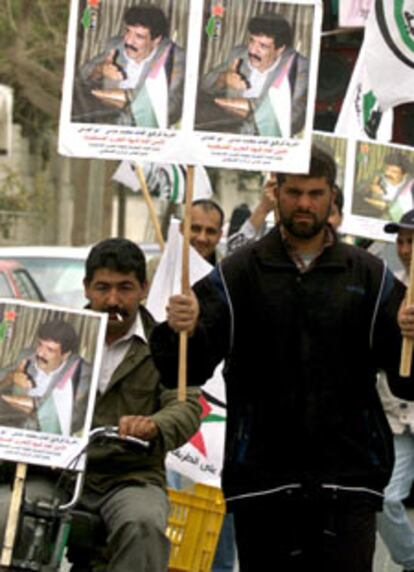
x=14, y=513
x=185, y=283
x=150, y=205
x=408, y=345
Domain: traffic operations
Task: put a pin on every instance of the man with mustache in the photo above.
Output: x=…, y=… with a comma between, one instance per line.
x=124, y=485
x=140, y=73
x=264, y=84
x=391, y=193
x=304, y=322
x=47, y=389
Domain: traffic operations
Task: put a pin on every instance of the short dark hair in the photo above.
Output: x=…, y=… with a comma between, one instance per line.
x=60, y=332
x=339, y=198
x=150, y=17
x=119, y=254
x=209, y=205
x=322, y=164
x=274, y=26
x=398, y=160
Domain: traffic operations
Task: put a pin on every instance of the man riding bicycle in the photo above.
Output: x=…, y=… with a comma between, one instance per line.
x=125, y=486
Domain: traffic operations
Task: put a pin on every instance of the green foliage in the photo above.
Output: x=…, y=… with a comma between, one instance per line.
x=32, y=52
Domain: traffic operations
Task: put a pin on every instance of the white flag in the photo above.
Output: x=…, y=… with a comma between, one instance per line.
x=167, y=278
x=384, y=74
x=201, y=458
x=358, y=118
x=126, y=175
x=353, y=13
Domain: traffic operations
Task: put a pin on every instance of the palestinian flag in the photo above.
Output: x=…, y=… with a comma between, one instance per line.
x=389, y=52
x=384, y=74
x=167, y=182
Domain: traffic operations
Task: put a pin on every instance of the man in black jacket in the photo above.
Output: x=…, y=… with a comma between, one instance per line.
x=303, y=322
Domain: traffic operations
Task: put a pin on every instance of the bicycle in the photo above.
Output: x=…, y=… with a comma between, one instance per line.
x=51, y=521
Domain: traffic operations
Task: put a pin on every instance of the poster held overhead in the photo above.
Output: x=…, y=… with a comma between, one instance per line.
x=257, y=84
x=158, y=104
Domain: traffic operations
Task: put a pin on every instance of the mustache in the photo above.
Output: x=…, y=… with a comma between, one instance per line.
x=254, y=57
x=41, y=360
x=129, y=47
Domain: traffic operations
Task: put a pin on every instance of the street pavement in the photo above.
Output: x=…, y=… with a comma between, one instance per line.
x=382, y=560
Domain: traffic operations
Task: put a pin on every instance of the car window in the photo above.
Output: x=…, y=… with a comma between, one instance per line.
x=5, y=288
x=59, y=279
x=26, y=286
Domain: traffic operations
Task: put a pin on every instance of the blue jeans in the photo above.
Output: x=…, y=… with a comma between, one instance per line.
x=225, y=556
x=393, y=523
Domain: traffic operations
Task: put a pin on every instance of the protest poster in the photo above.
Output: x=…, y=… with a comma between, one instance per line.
x=379, y=187
x=354, y=13
x=157, y=109
x=255, y=102
x=124, y=93
x=49, y=364
x=6, y=120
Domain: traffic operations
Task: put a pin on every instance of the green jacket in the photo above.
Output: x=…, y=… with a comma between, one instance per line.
x=135, y=389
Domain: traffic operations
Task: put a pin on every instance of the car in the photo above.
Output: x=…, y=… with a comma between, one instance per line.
x=17, y=282
x=59, y=270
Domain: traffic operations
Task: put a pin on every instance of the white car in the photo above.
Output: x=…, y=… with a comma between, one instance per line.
x=59, y=270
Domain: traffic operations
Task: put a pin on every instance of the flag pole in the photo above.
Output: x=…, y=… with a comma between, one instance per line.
x=150, y=205
x=408, y=345
x=13, y=516
x=185, y=283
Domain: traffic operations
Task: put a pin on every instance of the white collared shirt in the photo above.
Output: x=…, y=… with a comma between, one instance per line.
x=133, y=71
x=114, y=353
x=258, y=79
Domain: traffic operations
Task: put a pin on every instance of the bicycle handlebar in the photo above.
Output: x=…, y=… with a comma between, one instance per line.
x=111, y=432
x=103, y=432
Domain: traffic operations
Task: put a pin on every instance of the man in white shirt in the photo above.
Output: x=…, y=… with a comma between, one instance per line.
x=126, y=486
x=264, y=84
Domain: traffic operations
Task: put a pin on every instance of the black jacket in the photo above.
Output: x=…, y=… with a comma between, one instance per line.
x=302, y=351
